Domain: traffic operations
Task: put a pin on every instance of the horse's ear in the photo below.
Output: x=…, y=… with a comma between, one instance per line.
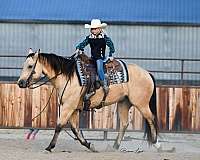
x=30, y=51
x=36, y=54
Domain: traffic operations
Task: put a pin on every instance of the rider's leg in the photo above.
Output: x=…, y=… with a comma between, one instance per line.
x=101, y=74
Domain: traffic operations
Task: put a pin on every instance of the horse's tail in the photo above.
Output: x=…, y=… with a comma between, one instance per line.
x=153, y=108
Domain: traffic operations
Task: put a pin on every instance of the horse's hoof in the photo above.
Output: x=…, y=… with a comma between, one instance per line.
x=116, y=146
x=92, y=148
x=48, y=149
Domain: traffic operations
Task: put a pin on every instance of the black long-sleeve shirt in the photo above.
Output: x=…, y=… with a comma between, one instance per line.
x=98, y=45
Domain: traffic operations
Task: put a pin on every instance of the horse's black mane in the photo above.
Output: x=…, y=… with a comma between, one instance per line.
x=58, y=63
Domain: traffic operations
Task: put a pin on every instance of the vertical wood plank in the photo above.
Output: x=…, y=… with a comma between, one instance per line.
x=163, y=108
x=44, y=95
x=28, y=108
x=1, y=104
x=177, y=109
x=7, y=102
x=193, y=105
x=171, y=107
x=36, y=107
x=197, y=119
x=13, y=108
x=186, y=110
x=21, y=106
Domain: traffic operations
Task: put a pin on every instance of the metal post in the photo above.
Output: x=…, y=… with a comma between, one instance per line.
x=182, y=71
x=105, y=135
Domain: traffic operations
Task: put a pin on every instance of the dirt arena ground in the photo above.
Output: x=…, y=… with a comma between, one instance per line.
x=13, y=146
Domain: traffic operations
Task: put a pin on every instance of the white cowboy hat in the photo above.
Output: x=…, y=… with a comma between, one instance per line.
x=96, y=23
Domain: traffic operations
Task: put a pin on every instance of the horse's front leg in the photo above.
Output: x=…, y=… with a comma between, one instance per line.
x=55, y=137
x=74, y=120
x=66, y=112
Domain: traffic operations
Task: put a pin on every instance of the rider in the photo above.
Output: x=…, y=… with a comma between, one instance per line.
x=98, y=41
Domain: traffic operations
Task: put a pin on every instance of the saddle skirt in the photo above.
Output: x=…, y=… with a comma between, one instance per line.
x=115, y=70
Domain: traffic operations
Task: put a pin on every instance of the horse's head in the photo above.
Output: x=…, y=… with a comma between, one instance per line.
x=32, y=69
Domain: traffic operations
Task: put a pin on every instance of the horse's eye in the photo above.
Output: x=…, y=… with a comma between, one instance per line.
x=30, y=66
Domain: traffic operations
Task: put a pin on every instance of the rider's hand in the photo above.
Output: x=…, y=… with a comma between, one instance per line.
x=110, y=58
x=77, y=51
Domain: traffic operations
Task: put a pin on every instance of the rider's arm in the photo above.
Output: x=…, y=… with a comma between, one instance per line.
x=82, y=45
x=110, y=44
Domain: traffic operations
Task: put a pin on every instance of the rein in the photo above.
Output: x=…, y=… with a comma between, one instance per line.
x=33, y=72
x=31, y=85
x=50, y=98
x=31, y=76
x=44, y=107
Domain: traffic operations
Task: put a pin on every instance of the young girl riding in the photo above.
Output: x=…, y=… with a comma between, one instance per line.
x=98, y=41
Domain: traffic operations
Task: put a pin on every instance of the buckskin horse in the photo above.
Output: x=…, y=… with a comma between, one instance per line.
x=139, y=91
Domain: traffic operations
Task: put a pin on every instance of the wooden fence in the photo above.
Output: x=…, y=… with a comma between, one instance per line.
x=19, y=106
x=178, y=109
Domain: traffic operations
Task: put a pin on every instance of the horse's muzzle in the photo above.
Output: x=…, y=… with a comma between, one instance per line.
x=22, y=83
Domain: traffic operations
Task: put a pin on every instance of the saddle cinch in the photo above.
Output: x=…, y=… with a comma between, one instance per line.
x=116, y=72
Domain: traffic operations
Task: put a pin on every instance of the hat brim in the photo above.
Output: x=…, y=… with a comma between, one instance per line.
x=103, y=25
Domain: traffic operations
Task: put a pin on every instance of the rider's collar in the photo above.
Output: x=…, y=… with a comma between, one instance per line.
x=101, y=35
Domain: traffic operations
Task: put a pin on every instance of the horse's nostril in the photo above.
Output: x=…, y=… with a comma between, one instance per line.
x=22, y=83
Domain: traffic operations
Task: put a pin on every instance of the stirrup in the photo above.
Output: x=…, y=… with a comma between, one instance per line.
x=102, y=103
x=86, y=105
x=88, y=95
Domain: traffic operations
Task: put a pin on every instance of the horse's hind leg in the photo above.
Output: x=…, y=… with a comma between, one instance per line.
x=151, y=128
x=123, y=108
x=74, y=120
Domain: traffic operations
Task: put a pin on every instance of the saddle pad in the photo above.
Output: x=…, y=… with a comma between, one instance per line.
x=116, y=74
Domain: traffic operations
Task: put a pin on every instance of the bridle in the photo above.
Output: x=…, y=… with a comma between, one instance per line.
x=30, y=85
x=28, y=82
x=31, y=75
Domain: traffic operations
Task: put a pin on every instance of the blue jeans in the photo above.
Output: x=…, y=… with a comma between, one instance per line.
x=100, y=69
